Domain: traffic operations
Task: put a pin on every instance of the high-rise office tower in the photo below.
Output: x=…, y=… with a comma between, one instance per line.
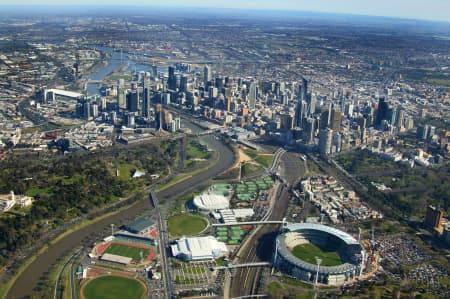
x=300, y=113
x=400, y=120
x=172, y=80
x=184, y=83
x=286, y=121
x=86, y=109
x=309, y=131
x=382, y=111
x=335, y=120
x=103, y=104
x=133, y=101
x=251, y=98
x=303, y=90
x=325, y=117
x=94, y=108
x=121, y=97
x=325, y=141
x=207, y=74
x=146, y=102
x=311, y=101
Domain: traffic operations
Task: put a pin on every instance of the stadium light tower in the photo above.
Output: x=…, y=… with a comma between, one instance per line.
x=112, y=229
x=319, y=261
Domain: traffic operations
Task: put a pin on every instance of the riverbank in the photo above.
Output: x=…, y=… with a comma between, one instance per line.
x=26, y=280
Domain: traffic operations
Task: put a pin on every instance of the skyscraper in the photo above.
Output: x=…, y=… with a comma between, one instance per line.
x=335, y=120
x=382, y=111
x=121, y=99
x=325, y=141
x=309, y=131
x=300, y=113
x=146, y=102
x=251, y=98
x=172, y=80
x=311, y=101
x=207, y=75
x=184, y=83
x=133, y=101
x=303, y=89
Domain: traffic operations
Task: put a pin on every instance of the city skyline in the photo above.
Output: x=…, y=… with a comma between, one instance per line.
x=436, y=10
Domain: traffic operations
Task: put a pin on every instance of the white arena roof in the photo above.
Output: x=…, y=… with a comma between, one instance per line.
x=347, y=238
x=199, y=248
x=210, y=202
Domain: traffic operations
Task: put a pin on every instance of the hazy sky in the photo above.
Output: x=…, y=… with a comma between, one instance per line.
x=417, y=9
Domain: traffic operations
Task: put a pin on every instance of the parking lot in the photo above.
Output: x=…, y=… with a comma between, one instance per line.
x=429, y=278
x=400, y=250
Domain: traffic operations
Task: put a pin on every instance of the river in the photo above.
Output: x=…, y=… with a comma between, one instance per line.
x=28, y=280
x=114, y=63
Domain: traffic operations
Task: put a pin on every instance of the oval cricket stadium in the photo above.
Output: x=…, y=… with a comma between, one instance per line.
x=318, y=253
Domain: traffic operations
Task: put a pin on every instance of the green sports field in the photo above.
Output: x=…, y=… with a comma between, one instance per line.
x=127, y=251
x=113, y=287
x=186, y=225
x=309, y=252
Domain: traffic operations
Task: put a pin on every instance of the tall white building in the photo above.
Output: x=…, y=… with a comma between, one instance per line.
x=251, y=98
x=325, y=141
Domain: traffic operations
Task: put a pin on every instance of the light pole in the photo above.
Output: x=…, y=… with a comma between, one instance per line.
x=316, y=287
x=319, y=261
x=112, y=229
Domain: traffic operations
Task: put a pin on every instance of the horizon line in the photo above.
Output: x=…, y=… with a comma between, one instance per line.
x=275, y=10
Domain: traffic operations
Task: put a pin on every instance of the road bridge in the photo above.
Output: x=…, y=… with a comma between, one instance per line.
x=245, y=265
x=284, y=222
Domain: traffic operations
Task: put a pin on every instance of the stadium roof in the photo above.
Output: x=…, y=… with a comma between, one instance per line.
x=116, y=258
x=138, y=224
x=345, y=237
x=211, y=202
x=286, y=253
x=348, y=239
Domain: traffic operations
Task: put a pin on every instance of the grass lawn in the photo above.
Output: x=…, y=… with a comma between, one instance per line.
x=196, y=151
x=264, y=160
x=274, y=288
x=125, y=171
x=250, y=169
x=309, y=252
x=113, y=287
x=116, y=77
x=186, y=225
x=127, y=251
x=251, y=153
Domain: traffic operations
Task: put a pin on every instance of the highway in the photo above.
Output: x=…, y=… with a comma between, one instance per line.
x=162, y=244
x=258, y=248
x=29, y=278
